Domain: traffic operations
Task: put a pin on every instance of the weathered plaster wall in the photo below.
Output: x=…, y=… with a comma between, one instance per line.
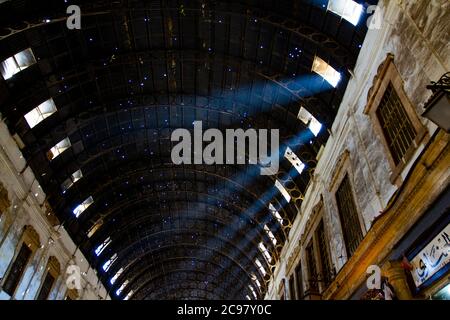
x=417, y=33
x=26, y=206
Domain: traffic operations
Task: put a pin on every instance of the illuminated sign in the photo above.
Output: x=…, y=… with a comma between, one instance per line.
x=432, y=258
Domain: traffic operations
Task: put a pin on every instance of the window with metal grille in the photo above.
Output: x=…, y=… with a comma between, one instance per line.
x=299, y=281
x=397, y=128
x=17, y=269
x=327, y=272
x=312, y=269
x=349, y=216
x=46, y=287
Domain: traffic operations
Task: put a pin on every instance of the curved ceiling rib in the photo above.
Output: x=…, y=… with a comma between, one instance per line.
x=136, y=71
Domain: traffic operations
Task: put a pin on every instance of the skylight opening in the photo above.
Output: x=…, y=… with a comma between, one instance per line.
x=117, y=275
x=83, y=206
x=258, y=283
x=59, y=148
x=315, y=126
x=103, y=246
x=41, y=112
x=270, y=235
x=122, y=287
x=108, y=263
x=347, y=9
x=129, y=295
x=283, y=190
x=265, y=252
x=307, y=118
x=260, y=267
x=294, y=160
x=326, y=71
x=253, y=291
x=275, y=213
x=17, y=63
x=69, y=182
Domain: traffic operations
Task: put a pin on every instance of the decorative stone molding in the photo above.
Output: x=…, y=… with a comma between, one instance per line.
x=31, y=238
x=338, y=168
x=312, y=219
x=377, y=81
x=5, y=203
x=293, y=257
x=54, y=267
x=388, y=74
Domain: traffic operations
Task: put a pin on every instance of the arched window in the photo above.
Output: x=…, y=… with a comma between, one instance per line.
x=28, y=245
x=52, y=273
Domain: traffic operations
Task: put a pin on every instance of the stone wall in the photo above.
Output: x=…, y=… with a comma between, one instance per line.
x=22, y=203
x=416, y=33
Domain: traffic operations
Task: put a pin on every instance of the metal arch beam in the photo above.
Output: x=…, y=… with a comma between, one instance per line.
x=230, y=250
x=106, y=230
x=105, y=195
x=217, y=285
x=120, y=239
x=120, y=230
x=186, y=292
x=134, y=168
x=231, y=260
x=116, y=183
x=32, y=150
x=110, y=184
x=139, y=268
x=255, y=222
x=247, y=242
x=181, y=291
x=176, y=290
x=196, y=56
x=270, y=76
x=229, y=180
x=140, y=273
x=239, y=250
x=310, y=32
x=80, y=121
x=137, y=200
x=323, y=114
x=144, y=286
x=218, y=176
x=98, y=155
x=80, y=162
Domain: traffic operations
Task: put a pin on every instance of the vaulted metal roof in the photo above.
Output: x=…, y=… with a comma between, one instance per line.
x=136, y=71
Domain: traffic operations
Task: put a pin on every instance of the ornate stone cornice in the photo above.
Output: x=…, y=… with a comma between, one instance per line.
x=377, y=80
x=338, y=167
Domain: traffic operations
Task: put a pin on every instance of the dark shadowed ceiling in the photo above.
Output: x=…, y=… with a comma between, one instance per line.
x=136, y=71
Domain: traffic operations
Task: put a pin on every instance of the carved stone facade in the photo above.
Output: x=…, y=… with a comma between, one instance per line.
x=412, y=48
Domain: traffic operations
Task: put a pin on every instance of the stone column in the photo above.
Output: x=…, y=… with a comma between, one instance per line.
x=397, y=278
